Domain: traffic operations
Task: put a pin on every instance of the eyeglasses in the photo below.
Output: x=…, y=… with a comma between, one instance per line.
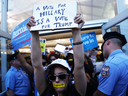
x=61, y=77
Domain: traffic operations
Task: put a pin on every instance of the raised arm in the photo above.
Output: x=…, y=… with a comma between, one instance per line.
x=22, y=60
x=79, y=73
x=39, y=72
x=10, y=92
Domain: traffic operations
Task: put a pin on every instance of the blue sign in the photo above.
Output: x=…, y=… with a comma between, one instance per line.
x=20, y=36
x=89, y=41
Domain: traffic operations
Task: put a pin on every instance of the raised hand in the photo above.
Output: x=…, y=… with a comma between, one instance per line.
x=10, y=46
x=79, y=20
x=31, y=22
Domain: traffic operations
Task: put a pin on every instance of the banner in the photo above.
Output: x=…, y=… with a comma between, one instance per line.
x=42, y=45
x=60, y=48
x=89, y=41
x=20, y=36
x=55, y=16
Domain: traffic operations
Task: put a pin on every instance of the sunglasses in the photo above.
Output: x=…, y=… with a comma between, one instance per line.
x=61, y=77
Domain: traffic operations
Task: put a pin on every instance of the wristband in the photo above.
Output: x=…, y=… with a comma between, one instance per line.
x=17, y=52
x=77, y=43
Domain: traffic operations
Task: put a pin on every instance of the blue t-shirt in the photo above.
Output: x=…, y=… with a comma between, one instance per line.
x=113, y=79
x=18, y=81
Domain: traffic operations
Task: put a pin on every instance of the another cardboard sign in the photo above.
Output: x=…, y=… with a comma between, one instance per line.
x=55, y=16
x=20, y=36
x=89, y=41
x=60, y=48
x=42, y=45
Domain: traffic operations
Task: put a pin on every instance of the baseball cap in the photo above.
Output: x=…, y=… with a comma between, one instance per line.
x=109, y=35
x=61, y=62
x=12, y=57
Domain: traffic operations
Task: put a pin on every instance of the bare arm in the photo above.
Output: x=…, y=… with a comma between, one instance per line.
x=39, y=72
x=23, y=62
x=99, y=93
x=28, y=68
x=10, y=92
x=79, y=73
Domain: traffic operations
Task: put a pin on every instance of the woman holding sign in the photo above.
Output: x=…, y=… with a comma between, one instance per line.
x=59, y=72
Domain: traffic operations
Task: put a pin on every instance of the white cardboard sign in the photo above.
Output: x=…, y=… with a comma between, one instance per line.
x=55, y=16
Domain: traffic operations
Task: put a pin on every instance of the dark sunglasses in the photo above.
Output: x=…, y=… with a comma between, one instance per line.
x=61, y=77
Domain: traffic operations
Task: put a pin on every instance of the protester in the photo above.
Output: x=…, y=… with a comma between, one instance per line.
x=98, y=63
x=52, y=57
x=89, y=69
x=45, y=61
x=89, y=66
x=57, y=53
x=59, y=71
x=28, y=59
x=70, y=60
x=16, y=81
x=113, y=79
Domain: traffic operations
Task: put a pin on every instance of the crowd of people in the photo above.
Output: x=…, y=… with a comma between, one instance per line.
x=74, y=74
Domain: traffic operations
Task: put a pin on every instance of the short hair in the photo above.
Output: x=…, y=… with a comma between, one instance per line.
x=117, y=42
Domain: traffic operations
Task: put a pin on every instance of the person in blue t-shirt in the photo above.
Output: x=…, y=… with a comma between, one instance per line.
x=29, y=69
x=16, y=80
x=113, y=79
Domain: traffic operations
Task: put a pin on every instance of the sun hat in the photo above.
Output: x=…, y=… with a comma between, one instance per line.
x=61, y=62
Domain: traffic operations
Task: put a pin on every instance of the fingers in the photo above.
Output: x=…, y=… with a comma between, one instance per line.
x=78, y=19
x=31, y=22
x=10, y=46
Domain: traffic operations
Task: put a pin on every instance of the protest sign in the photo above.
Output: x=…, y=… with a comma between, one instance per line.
x=55, y=16
x=60, y=48
x=20, y=36
x=89, y=41
x=42, y=45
